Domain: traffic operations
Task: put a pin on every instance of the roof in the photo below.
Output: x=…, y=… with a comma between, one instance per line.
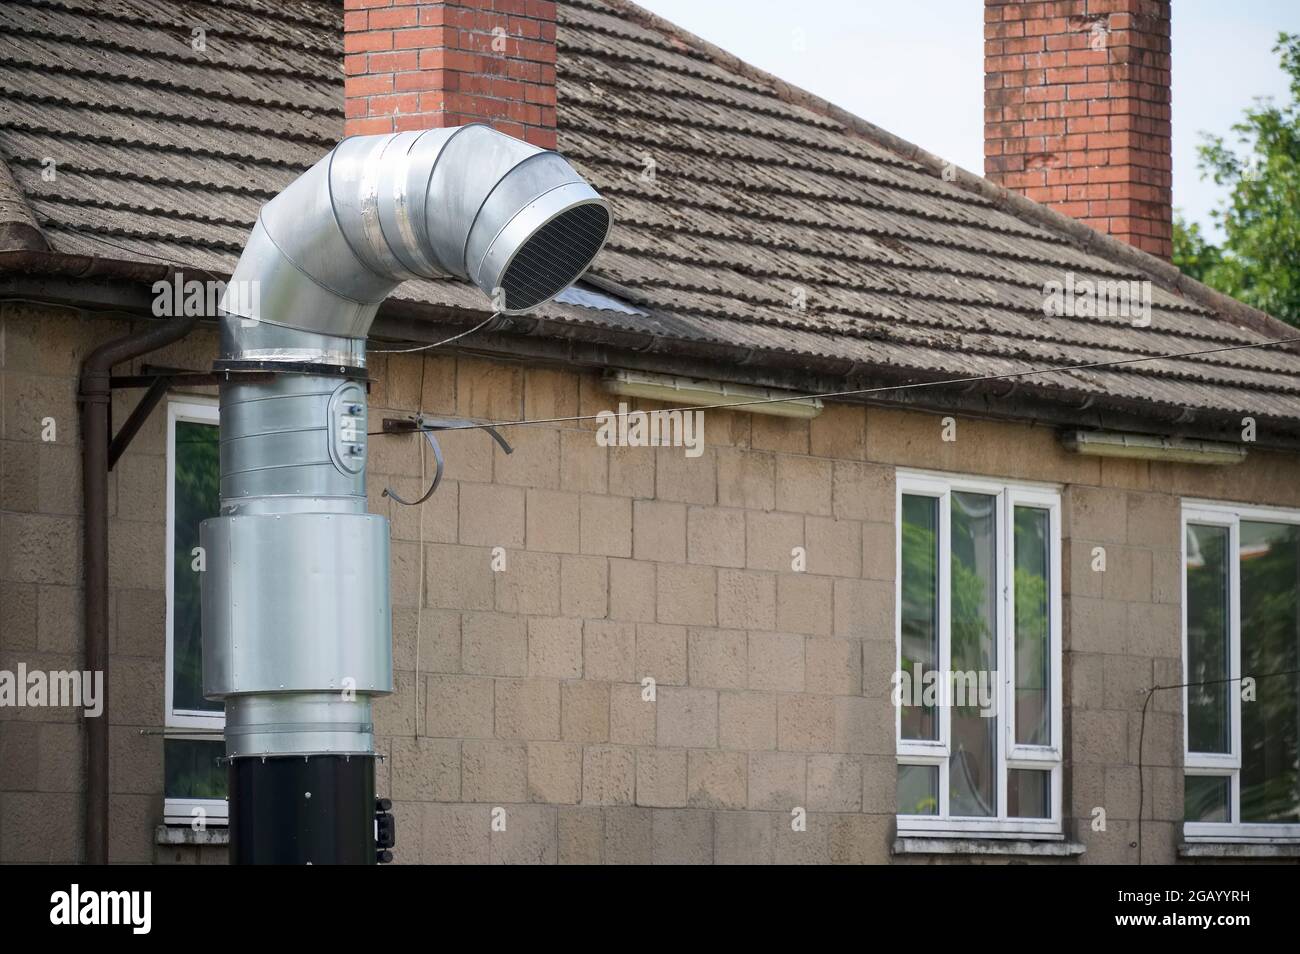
x=753, y=222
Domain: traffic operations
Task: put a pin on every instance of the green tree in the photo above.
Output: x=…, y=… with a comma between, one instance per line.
x=1193, y=252
x=1259, y=262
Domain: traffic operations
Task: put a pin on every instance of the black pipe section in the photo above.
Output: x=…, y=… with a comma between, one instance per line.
x=95, y=393
x=302, y=810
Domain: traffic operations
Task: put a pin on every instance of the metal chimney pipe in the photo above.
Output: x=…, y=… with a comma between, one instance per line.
x=296, y=619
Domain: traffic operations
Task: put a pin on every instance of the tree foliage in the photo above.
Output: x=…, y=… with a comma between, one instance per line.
x=1259, y=261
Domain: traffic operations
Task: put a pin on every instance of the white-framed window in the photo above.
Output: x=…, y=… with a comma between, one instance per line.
x=193, y=744
x=1241, y=653
x=978, y=605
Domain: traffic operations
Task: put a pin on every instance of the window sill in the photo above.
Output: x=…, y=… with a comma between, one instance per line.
x=1242, y=850
x=916, y=845
x=185, y=835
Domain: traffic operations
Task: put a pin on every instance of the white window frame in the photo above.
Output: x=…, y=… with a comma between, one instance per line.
x=180, y=811
x=1010, y=755
x=1215, y=513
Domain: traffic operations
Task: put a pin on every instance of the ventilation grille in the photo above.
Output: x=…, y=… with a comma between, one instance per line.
x=556, y=254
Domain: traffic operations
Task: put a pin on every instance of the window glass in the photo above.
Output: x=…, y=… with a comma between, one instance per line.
x=193, y=768
x=1270, y=643
x=920, y=606
x=1205, y=798
x=1033, y=640
x=918, y=789
x=197, y=475
x=972, y=774
x=1208, y=639
x=1029, y=793
x=192, y=750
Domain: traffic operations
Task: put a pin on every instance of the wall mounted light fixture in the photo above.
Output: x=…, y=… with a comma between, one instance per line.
x=1147, y=447
x=672, y=389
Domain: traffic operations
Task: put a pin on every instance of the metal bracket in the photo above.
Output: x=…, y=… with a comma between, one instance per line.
x=158, y=380
x=355, y=372
x=428, y=426
x=385, y=830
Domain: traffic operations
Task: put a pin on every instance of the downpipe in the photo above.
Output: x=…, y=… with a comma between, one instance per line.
x=296, y=617
x=94, y=391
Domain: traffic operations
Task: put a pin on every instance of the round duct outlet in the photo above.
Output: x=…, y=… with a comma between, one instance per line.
x=555, y=255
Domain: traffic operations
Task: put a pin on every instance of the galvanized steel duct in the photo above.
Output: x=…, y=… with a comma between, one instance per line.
x=296, y=620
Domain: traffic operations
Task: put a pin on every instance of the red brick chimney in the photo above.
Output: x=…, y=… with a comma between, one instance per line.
x=1076, y=97
x=423, y=65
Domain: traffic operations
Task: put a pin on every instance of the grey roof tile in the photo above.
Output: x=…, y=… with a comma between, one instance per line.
x=165, y=154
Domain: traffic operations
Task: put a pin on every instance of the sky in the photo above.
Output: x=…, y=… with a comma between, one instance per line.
x=916, y=68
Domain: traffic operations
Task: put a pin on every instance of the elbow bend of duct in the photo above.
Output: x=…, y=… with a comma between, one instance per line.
x=517, y=221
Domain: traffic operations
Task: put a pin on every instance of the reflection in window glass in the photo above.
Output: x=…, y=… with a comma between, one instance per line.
x=192, y=769
x=918, y=790
x=972, y=773
x=1208, y=646
x=1205, y=798
x=1270, y=643
x=197, y=497
x=1032, y=628
x=979, y=596
x=190, y=766
x=920, y=607
x=1029, y=793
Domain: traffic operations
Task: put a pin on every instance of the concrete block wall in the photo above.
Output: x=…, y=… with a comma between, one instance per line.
x=524, y=690
x=624, y=564
x=42, y=781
